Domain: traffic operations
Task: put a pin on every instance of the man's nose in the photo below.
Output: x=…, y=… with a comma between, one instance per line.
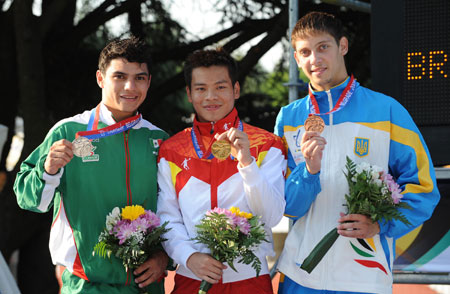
x=315, y=58
x=130, y=84
x=211, y=94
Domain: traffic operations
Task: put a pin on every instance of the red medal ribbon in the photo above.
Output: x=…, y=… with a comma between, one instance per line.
x=116, y=128
x=342, y=101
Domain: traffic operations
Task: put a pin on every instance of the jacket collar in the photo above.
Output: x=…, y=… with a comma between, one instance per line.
x=335, y=91
x=107, y=118
x=220, y=126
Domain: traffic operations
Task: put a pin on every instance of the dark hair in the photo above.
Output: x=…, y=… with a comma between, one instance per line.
x=314, y=22
x=207, y=58
x=132, y=49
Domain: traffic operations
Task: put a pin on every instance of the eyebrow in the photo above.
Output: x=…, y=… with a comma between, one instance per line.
x=216, y=83
x=124, y=73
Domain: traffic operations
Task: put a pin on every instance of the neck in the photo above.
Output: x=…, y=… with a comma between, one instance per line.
x=327, y=88
x=120, y=115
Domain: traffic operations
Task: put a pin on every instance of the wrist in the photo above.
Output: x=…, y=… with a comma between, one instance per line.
x=311, y=170
x=245, y=161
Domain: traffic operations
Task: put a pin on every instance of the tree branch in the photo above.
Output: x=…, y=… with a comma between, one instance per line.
x=256, y=52
x=251, y=59
x=181, y=52
x=97, y=18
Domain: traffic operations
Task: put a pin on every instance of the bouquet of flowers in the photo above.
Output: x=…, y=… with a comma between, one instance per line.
x=131, y=235
x=230, y=234
x=372, y=192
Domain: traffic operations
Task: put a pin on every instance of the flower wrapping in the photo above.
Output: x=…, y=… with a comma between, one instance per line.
x=131, y=235
x=230, y=234
x=372, y=192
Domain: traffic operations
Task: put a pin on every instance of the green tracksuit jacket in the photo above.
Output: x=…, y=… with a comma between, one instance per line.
x=120, y=171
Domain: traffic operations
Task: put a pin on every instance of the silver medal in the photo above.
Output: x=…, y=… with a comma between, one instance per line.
x=82, y=147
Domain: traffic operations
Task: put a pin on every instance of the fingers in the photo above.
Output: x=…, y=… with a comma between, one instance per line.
x=59, y=155
x=205, y=267
x=357, y=226
x=236, y=137
x=151, y=270
x=240, y=145
x=312, y=144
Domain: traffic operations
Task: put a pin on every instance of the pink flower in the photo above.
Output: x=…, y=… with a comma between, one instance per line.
x=140, y=224
x=123, y=230
x=243, y=225
x=232, y=218
x=151, y=218
x=393, y=187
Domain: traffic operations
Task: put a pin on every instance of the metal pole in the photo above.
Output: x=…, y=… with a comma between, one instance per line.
x=293, y=69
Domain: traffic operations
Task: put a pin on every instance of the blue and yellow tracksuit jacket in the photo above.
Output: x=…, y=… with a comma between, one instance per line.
x=371, y=127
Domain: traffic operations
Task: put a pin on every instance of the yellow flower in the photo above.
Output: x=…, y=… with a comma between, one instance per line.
x=240, y=213
x=132, y=212
x=235, y=210
x=247, y=215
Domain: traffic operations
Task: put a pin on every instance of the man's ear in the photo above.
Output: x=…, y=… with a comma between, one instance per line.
x=188, y=92
x=343, y=46
x=237, y=90
x=100, y=79
x=296, y=59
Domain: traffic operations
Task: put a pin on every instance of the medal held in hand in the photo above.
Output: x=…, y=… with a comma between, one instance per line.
x=221, y=149
x=82, y=147
x=314, y=123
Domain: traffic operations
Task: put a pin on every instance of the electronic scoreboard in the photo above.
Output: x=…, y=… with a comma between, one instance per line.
x=410, y=50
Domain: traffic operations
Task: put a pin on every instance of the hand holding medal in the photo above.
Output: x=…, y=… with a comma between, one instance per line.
x=238, y=143
x=58, y=156
x=313, y=144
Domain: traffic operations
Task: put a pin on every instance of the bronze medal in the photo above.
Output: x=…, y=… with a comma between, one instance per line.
x=221, y=149
x=82, y=147
x=314, y=123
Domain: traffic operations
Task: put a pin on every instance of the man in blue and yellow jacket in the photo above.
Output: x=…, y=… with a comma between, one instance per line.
x=367, y=127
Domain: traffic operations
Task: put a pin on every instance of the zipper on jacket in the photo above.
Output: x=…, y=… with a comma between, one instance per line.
x=212, y=128
x=326, y=272
x=330, y=106
x=127, y=167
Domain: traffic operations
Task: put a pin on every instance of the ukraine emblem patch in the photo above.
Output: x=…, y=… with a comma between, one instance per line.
x=361, y=146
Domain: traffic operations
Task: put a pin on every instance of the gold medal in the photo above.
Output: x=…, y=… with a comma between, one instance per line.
x=221, y=149
x=314, y=123
x=82, y=147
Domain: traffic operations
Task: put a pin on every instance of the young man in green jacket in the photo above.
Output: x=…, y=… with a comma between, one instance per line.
x=115, y=167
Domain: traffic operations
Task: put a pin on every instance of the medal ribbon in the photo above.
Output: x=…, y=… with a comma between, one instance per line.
x=198, y=144
x=342, y=101
x=93, y=133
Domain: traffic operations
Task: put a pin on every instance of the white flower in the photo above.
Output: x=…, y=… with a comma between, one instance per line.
x=365, y=166
x=378, y=182
x=112, y=218
x=358, y=169
x=354, y=179
x=138, y=236
x=377, y=169
x=374, y=175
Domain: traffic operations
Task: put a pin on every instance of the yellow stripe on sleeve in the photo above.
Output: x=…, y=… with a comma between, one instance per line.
x=261, y=157
x=174, y=170
x=411, y=139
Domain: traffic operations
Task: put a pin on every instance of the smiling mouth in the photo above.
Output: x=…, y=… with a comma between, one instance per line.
x=318, y=70
x=211, y=107
x=128, y=97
